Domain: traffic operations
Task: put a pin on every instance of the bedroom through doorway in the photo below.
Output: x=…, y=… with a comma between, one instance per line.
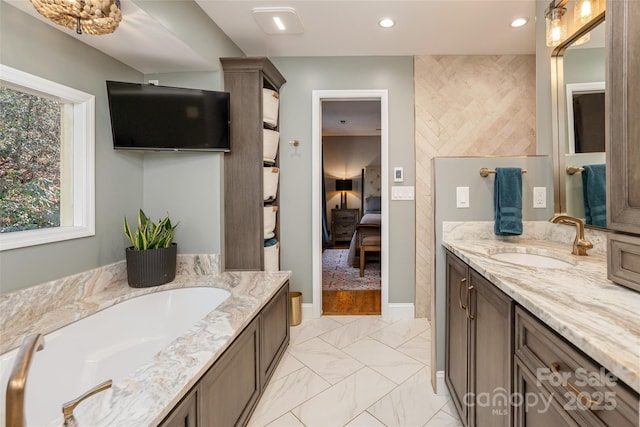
x=351, y=176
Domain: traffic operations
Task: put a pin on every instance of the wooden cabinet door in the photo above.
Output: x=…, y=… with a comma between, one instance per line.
x=274, y=333
x=623, y=99
x=229, y=390
x=491, y=353
x=457, y=329
x=185, y=414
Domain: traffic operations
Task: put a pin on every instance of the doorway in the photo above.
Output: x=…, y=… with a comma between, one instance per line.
x=346, y=177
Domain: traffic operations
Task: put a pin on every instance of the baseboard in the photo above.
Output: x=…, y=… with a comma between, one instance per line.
x=400, y=310
x=441, y=386
x=307, y=311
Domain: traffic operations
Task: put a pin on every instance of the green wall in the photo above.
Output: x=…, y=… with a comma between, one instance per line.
x=304, y=75
x=187, y=185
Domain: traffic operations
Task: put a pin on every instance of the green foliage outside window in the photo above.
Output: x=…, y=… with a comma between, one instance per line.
x=30, y=142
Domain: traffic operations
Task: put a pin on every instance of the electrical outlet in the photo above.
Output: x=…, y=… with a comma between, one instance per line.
x=462, y=197
x=154, y=82
x=539, y=197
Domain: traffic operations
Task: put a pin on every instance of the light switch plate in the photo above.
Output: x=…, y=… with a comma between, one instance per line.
x=402, y=192
x=462, y=197
x=539, y=197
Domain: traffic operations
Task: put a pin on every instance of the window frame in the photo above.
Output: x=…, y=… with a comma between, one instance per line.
x=82, y=223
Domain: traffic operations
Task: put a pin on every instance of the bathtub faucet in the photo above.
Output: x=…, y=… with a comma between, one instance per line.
x=67, y=408
x=18, y=380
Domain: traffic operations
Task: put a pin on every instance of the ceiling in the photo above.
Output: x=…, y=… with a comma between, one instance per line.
x=149, y=43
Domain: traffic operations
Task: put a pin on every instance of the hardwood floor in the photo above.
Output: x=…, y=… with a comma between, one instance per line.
x=351, y=302
x=344, y=303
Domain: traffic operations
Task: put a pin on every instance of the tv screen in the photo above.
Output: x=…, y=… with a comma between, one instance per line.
x=148, y=117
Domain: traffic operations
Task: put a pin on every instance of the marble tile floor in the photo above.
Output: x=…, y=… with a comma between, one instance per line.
x=355, y=371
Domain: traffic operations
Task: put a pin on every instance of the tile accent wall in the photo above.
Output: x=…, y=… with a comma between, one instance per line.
x=465, y=106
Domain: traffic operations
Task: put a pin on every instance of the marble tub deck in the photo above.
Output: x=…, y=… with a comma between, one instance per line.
x=596, y=315
x=144, y=397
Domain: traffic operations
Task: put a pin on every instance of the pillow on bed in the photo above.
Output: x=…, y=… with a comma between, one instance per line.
x=373, y=204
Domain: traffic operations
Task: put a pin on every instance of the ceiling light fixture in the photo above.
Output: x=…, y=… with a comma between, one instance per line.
x=279, y=23
x=519, y=22
x=556, y=26
x=278, y=20
x=386, y=22
x=95, y=17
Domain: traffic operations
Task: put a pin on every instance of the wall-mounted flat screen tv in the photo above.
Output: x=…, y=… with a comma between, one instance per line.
x=149, y=117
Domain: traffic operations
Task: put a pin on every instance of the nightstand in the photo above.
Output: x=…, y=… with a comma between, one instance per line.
x=343, y=224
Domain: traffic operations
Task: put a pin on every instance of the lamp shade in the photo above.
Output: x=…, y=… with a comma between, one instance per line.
x=344, y=184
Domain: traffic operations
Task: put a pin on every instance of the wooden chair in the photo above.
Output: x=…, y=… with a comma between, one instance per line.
x=369, y=241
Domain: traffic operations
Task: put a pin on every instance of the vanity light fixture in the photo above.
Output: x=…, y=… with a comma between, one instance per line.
x=94, y=17
x=519, y=22
x=584, y=11
x=386, y=22
x=556, y=26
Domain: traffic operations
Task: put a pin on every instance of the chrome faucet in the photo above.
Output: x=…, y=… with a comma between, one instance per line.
x=580, y=244
x=15, y=416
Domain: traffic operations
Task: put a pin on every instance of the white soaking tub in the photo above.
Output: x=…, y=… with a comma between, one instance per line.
x=109, y=344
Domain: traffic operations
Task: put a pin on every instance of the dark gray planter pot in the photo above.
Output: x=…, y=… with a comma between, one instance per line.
x=151, y=267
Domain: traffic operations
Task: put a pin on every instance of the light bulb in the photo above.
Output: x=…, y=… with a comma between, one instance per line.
x=584, y=11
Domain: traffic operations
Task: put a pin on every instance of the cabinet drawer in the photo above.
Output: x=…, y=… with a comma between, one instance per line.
x=623, y=266
x=589, y=393
x=345, y=215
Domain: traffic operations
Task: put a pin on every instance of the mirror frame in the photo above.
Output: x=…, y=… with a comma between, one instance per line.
x=559, y=111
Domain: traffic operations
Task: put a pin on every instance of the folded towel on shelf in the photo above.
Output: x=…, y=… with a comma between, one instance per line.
x=507, y=202
x=594, y=190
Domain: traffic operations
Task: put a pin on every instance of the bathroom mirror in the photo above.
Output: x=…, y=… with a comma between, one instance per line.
x=578, y=68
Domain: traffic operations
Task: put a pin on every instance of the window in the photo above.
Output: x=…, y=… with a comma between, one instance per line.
x=46, y=161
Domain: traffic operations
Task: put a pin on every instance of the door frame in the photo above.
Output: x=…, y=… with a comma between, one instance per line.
x=316, y=192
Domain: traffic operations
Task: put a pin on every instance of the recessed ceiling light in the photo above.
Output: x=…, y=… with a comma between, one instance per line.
x=386, y=22
x=519, y=22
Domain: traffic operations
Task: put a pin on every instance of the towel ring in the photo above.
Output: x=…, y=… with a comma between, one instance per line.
x=572, y=170
x=484, y=172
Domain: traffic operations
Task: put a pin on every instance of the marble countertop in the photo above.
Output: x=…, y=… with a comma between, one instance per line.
x=147, y=395
x=596, y=315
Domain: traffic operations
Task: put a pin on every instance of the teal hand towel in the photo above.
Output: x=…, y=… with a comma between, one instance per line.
x=594, y=190
x=507, y=202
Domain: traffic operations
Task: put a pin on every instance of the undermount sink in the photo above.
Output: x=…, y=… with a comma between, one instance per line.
x=529, y=259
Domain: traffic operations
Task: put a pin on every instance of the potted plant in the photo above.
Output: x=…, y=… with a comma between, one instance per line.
x=151, y=260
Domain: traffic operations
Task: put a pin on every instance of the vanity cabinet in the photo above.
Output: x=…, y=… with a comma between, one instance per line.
x=505, y=367
x=185, y=414
x=563, y=385
x=622, y=147
x=228, y=392
x=479, y=346
x=244, y=165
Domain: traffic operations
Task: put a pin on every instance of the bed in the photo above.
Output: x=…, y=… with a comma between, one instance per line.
x=367, y=236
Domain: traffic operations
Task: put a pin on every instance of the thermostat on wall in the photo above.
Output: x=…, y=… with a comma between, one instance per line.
x=398, y=175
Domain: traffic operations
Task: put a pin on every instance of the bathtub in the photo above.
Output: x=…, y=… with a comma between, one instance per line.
x=109, y=344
